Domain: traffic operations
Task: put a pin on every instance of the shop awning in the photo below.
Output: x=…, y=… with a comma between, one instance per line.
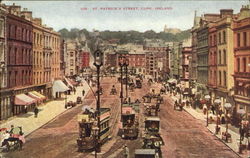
x=68, y=82
x=22, y=99
x=74, y=83
x=58, y=86
x=38, y=94
x=34, y=97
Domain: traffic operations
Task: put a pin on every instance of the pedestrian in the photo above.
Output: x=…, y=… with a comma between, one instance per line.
x=11, y=129
x=36, y=112
x=213, y=109
x=83, y=92
x=74, y=89
x=126, y=151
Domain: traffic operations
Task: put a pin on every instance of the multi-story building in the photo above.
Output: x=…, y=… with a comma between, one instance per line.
x=71, y=58
x=46, y=57
x=157, y=61
x=20, y=56
x=225, y=56
x=85, y=59
x=212, y=59
x=176, y=64
x=202, y=52
x=62, y=58
x=193, y=63
x=241, y=28
x=5, y=108
x=186, y=54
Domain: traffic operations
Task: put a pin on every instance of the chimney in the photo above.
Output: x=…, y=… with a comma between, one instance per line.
x=26, y=14
x=37, y=21
x=226, y=13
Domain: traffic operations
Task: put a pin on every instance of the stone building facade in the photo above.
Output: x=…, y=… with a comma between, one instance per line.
x=156, y=61
x=241, y=28
x=20, y=55
x=186, y=54
x=212, y=59
x=225, y=56
x=71, y=58
x=202, y=52
x=5, y=108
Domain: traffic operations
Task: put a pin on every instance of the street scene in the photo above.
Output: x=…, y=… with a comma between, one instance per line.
x=118, y=83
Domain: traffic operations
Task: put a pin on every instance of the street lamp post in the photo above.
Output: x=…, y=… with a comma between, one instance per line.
x=207, y=98
x=98, y=62
x=227, y=106
x=121, y=64
x=126, y=71
x=95, y=134
x=65, y=105
x=241, y=112
x=217, y=103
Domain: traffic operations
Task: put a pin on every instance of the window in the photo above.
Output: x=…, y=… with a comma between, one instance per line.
x=215, y=77
x=219, y=77
x=214, y=40
x=224, y=36
x=244, y=64
x=225, y=56
x=219, y=57
x=71, y=62
x=245, y=38
x=238, y=39
x=238, y=64
x=211, y=41
x=15, y=78
x=15, y=56
x=225, y=78
x=219, y=38
x=1, y=28
x=71, y=54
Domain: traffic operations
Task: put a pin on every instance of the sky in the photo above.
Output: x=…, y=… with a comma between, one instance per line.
x=130, y=15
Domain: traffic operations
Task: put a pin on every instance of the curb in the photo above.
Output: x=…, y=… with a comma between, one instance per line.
x=216, y=136
x=52, y=119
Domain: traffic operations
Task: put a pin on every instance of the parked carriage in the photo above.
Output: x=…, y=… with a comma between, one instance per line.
x=70, y=104
x=79, y=100
x=12, y=140
x=87, y=122
x=152, y=138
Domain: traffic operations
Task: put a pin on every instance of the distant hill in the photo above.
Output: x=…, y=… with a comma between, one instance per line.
x=127, y=36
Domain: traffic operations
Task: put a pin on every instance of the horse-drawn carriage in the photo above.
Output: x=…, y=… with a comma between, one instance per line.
x=79, y=100
x=13, y=139
x=70, y=104
x=152, y=138
x=87, y=139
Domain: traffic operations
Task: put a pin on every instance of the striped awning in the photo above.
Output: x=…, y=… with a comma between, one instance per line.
x=39, y=95
x=68, y=82
x=58, y=86
x=22, y=99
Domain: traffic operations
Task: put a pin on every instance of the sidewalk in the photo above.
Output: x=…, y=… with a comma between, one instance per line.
x=47, y=112
x=234, y=145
